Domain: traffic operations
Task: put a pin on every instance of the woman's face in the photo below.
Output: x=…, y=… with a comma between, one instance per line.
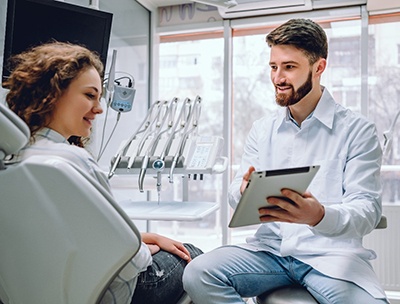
x=78, y=106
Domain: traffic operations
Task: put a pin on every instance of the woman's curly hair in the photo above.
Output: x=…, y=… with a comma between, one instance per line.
x=40, y=76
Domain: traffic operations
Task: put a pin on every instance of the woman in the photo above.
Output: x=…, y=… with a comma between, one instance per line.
x=56, y=89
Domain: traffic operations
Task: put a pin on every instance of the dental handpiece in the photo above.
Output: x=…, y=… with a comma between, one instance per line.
x=158, y=165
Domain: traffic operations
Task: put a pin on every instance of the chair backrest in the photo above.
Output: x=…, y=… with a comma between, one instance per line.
x=63, y=238
x=14, y=133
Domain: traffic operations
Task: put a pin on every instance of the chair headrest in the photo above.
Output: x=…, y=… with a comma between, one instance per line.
x=14, y=133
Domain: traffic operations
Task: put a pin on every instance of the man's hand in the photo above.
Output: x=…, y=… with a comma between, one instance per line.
x=245, y=179
x=293, y=208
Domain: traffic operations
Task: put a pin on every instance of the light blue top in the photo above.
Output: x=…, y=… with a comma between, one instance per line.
x=348, y=184
x=49, y=142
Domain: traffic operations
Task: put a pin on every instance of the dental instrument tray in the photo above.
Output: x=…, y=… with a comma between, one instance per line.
x=168, y=211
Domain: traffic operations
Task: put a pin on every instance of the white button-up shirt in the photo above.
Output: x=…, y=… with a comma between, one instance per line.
x=348, y=184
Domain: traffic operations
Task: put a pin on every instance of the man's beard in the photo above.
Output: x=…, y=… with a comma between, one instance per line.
x=285, y=100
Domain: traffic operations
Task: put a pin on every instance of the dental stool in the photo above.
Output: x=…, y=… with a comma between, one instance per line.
x=296, y=294
x=63, y=238
x=293, y=294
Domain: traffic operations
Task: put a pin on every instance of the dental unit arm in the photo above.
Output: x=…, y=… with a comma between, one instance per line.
x=123, y=150
x=161, y=119
x=169, y=144
x=192, y=118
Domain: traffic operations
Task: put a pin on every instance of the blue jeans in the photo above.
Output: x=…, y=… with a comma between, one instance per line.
x=229, y=273
x=161, y=283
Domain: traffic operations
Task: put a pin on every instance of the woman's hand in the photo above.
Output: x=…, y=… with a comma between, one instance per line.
x=155, y=242
x=153, y=248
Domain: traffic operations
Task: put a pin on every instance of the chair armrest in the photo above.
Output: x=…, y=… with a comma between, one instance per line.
x=382, y=223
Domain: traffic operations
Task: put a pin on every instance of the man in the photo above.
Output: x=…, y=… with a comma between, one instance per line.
x=316, y=241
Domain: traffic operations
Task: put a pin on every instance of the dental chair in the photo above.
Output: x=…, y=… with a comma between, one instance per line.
x=296, y=294
x=63, y=238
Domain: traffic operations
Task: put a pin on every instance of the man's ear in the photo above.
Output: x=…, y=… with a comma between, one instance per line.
x=320, y=66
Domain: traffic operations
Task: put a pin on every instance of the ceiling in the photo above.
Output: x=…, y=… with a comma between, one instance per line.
x=151, y=4
x=384, y=6
x=158, y=3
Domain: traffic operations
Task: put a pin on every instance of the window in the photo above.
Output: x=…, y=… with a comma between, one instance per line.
x=398, y=54
x=194, y=70
x=384, y=97
x=253, y=93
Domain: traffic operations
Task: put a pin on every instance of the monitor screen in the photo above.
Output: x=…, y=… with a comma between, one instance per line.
x=33, y=22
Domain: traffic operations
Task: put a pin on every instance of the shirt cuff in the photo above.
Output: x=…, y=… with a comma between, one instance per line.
x=328, y=222
x=139, y=263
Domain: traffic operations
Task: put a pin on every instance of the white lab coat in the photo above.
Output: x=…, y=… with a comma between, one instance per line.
x=348, y=184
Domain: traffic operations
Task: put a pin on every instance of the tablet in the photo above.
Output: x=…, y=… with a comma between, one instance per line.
x=263, y=184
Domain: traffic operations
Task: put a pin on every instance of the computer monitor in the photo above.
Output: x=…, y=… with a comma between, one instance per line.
x=33, y=22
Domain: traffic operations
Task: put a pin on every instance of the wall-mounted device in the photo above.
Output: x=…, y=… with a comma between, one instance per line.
x=123, y=98
x=34, y=22
x=119, y=97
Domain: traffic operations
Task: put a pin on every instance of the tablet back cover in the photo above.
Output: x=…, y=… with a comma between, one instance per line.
x=263, y=184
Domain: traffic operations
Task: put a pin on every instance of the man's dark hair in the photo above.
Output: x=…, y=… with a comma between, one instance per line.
x=304, y=34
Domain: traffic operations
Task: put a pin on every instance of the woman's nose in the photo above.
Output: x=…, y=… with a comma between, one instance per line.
x=97, y=109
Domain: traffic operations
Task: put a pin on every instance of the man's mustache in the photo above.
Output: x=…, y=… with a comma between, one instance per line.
x=283, y=85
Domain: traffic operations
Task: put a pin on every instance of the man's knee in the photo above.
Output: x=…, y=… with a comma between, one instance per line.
x=191, y=271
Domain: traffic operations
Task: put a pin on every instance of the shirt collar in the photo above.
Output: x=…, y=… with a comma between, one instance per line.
x=324, y=111
x=51, y=135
